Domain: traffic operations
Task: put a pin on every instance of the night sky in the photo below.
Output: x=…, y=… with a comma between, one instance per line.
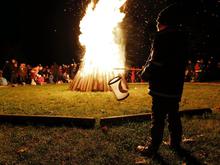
x=46, y=31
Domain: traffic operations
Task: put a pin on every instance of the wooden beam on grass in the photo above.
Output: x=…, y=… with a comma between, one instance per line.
x=119, y=120
x=195, y=112
x=88, y=122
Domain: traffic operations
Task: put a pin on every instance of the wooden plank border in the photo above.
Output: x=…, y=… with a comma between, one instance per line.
x=88, y=122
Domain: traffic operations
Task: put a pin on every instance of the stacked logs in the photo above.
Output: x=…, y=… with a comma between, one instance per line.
x=91, y=82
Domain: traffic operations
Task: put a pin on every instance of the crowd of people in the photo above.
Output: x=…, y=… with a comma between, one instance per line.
x=14, y=73
x=199, y=70
x=202, y=71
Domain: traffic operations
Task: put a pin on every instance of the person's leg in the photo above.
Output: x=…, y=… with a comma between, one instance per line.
x=157, y=128
x=174, y=124
x=159, y=112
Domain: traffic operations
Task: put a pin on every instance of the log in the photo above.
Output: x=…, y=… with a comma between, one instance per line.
x=96, y=82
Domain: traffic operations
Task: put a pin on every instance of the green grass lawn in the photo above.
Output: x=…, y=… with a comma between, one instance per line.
x=61, y=145
x=59, y=100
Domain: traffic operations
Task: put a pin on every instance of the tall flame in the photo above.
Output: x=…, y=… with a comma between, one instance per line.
x=102, y=38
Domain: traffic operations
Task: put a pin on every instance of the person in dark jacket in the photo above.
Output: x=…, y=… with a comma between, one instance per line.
x=166, y=71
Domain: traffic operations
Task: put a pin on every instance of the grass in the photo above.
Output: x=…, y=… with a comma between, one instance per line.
x=59, y=100
x=61, y=145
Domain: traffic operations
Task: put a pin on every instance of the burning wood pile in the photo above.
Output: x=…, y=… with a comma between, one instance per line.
x=103, y=40
x=90, y=83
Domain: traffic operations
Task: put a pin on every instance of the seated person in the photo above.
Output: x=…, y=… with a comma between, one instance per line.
x=3, y=81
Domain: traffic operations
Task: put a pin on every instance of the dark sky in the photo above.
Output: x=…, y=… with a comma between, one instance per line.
x=37, y=31
x=44, y=31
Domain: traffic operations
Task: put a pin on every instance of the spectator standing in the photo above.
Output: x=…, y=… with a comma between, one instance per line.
x=29, y=68
x=60, y=74
x=55, y=72
x=7, y=70
x=197, y=70
x=166, y=72
x=72, y=70
x=202, y=68
x=133, y=74
x=22, y=73
x=210, y=70
x=189, y=73
x=14, y=72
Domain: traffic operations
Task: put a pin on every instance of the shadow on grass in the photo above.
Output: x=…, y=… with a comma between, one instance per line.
x=159, y=160
x=187, y=157
x=182, y=153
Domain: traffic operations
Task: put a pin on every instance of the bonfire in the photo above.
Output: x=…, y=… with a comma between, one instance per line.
x=102, y=38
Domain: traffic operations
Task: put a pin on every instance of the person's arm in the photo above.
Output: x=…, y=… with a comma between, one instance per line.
x=153, y=63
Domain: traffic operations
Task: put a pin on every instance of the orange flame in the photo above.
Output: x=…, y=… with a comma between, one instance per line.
x=102, y=38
